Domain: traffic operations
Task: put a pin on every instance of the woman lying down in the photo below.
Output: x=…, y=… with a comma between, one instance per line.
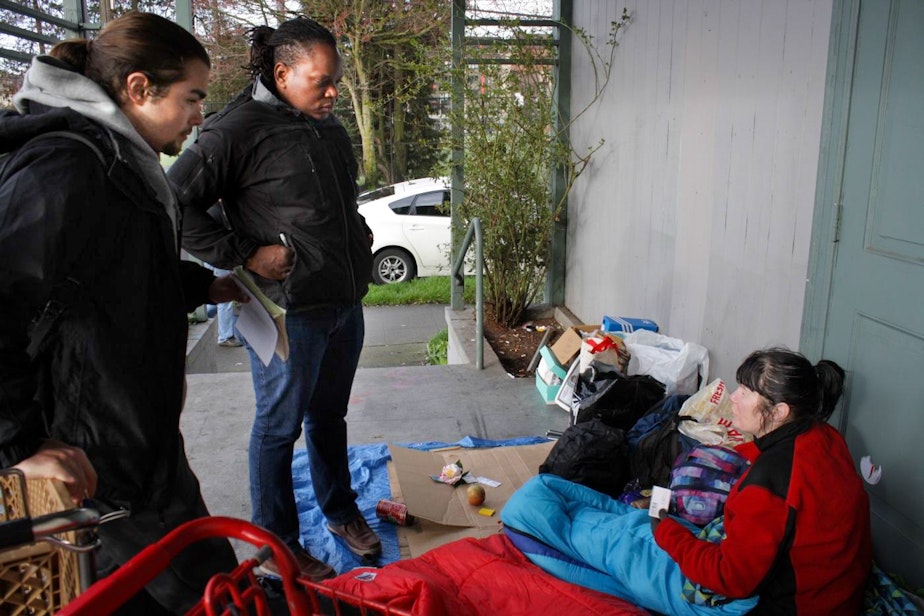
x=796, y=536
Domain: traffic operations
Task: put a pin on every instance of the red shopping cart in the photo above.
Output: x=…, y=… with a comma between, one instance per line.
x=236, y=592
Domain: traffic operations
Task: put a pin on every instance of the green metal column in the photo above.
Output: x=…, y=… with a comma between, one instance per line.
x=184, y=18
x=184, y=14
x=555, y=280
x=457, y=177
x=74, y=12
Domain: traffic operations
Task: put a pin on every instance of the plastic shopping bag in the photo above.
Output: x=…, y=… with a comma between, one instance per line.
x=680, y=365
x=711, y=410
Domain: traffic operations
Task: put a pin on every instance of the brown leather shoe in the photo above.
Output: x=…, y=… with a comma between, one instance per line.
x=310, y=567
x=358, y=536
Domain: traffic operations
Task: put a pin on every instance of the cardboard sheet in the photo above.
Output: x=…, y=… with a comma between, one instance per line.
x=568, y=345
x=442, y=511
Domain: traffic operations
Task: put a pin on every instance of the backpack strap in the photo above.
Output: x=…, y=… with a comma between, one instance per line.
x=76, y=137
x=5, y=158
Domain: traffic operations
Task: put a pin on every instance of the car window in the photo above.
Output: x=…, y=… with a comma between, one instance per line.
x=431, y=204
x=402, y=206
x=378, y=193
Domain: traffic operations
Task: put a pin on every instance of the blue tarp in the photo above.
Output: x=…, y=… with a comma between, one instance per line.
x=369, y=473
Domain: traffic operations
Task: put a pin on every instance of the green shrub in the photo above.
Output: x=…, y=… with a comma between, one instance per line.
x=438, y=349
x=515, y=140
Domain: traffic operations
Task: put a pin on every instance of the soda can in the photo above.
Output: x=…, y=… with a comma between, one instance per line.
x=393, y=512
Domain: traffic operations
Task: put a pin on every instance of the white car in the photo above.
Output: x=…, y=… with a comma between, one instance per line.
x=411, y=225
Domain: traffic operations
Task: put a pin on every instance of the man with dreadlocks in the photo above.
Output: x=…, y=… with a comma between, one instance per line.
x=284, y=169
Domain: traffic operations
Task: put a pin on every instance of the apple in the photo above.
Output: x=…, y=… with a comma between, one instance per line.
x=475, y=494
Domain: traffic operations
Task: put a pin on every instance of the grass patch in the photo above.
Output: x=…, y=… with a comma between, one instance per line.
x=438, y=349
x=430, y=290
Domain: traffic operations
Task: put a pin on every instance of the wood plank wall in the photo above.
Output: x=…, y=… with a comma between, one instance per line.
x=697, y=210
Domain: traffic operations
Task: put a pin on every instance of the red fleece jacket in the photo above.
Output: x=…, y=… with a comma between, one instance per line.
x=797, y=528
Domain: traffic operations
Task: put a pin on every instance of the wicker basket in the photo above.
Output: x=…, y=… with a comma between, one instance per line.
x=39, y=578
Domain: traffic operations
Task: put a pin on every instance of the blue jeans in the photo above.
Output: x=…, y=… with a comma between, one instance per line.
x=226, y=320
x=224, y=311
x=312, y=389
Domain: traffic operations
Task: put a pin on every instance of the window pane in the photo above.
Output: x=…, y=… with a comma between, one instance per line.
x=378, y=193
x=402, y=206
x=430, y=204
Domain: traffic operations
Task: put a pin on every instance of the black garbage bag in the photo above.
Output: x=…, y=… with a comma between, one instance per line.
x=592, y=454
x=617, y=400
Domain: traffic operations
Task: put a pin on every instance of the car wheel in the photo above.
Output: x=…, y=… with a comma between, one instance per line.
x=393, y=265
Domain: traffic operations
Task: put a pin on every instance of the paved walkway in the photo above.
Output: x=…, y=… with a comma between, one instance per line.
x=392, y=404
x=395, y=336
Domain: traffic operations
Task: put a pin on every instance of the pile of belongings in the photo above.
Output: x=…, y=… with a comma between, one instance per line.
x=628, y=436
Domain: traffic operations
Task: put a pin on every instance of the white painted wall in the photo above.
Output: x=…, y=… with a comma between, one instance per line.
x=697, y=210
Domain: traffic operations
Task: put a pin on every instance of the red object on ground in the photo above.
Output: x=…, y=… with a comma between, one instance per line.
x=474, y=576
x=394, y=512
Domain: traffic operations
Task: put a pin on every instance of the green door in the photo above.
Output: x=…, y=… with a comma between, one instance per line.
x=875, y=311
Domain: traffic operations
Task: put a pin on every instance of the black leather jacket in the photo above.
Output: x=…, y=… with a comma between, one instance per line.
x=93, y=305
x=277, y=171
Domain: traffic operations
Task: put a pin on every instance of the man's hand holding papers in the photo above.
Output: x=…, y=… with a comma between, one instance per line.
x=262, y=323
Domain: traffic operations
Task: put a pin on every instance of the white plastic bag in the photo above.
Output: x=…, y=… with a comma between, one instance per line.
x=680, y=365
x=711, y=408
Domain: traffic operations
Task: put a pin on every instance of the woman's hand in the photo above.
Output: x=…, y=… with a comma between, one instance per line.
x=273, y=261
x=70, y=465
x=662, y=513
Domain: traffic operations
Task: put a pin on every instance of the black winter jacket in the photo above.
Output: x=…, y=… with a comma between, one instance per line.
x=277, y=171
x=92, y=287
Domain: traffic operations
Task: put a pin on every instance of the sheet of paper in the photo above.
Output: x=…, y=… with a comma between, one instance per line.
x=257, y=327
x=660, y=499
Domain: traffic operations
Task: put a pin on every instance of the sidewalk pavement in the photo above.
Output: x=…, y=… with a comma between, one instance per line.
x=395, y=336
x=408, y=402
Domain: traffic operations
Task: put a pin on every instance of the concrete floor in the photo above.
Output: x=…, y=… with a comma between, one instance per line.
x=390, y=403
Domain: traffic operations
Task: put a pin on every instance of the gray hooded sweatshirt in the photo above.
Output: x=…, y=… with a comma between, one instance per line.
x=48, y=83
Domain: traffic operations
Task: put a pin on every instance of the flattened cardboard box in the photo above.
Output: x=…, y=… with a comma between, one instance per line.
x=568, y=345
x=442, y=510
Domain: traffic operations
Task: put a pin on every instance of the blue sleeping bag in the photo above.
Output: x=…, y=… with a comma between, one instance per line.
x=587, y=538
